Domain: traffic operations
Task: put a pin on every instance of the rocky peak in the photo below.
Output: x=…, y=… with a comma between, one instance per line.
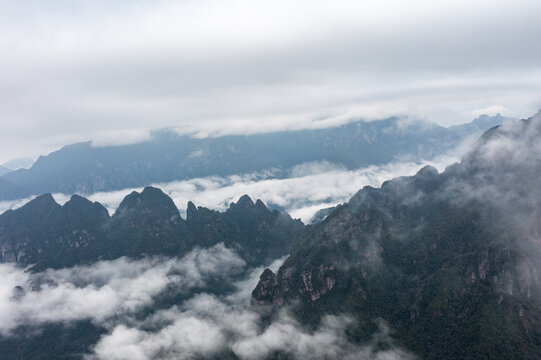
x=267, y=288
x=244, y=202
x=260, y=205
x=191, y=211
x=42, y=201
x=81, y=207
x=129, y=202
x=427, y=171
x=150, y=200
x=39, y=207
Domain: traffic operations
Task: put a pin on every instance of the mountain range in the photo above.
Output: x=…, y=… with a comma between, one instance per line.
x=83, y=168
x=45, y=234
x=450, y=261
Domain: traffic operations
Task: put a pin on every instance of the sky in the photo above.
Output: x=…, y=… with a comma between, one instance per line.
x=111, y=71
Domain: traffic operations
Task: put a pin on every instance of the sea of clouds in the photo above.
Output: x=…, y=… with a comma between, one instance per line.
x=308, y=188
x=114, y=294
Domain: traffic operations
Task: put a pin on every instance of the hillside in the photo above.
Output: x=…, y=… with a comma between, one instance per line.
x=48, y=235
x=451, y=261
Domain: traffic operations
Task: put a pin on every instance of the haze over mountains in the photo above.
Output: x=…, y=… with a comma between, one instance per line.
x=85, y=169
x=431, y=266
x=451, y=261
x=270, y=180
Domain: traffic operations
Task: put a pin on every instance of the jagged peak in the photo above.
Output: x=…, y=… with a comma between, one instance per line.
x=152, y=191
x=43, y=200
x=77, y=202
x=191, y=211
x=77, y=199
x=130, y=200
x=267, y=274
x=150, y=198
x=39, y=206
x=427, y=171
x=245, y=201
x=260, y=204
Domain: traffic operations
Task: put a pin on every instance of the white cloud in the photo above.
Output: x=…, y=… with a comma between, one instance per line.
x=310, y=187
x=113, y=294
x=207, y=325
x=106, y=288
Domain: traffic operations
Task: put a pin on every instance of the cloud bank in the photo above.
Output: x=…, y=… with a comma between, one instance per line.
x=111, y=71
x=115, y=294
x=206, y=326
x=105, y=289
x=308, y=188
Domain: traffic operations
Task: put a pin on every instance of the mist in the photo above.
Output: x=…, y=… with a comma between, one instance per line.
x=116, y=295
x=309, y=188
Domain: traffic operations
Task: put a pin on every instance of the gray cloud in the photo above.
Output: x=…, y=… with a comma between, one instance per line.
x=112, y=71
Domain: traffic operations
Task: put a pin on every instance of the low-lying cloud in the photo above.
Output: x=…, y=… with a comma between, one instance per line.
x=309, y=187
x=207, y=326
x=116, y=295
x=105, y=289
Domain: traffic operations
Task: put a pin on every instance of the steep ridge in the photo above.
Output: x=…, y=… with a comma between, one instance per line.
x=45, y=234
x=452, y=261
x=83, y=168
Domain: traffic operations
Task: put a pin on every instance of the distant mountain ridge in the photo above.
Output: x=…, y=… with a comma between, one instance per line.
x=451, y=261
x=82, y=168
x=4, y=170
x=20, y=163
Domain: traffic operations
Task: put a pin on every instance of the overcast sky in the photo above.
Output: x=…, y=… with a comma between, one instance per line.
x=111, y=70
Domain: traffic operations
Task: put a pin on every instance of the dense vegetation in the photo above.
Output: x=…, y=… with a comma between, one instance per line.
x=451, y=261
x=45, y=234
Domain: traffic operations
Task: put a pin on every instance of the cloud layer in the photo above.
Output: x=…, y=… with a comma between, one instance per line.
x=114, y=294
x=308, y=188
x=111, y=71
x=105, y=289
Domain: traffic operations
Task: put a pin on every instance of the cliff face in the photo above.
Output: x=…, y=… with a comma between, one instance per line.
x=45, y=234
x=452, y=261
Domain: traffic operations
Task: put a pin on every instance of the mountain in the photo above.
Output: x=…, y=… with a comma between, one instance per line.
x=321, y=214
x=18, y=164
x=48, y=235
x=15, y=165
x=451, y=261
x=83, y=168
x=8, y=190
x=4, y=170
x=146, y=227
